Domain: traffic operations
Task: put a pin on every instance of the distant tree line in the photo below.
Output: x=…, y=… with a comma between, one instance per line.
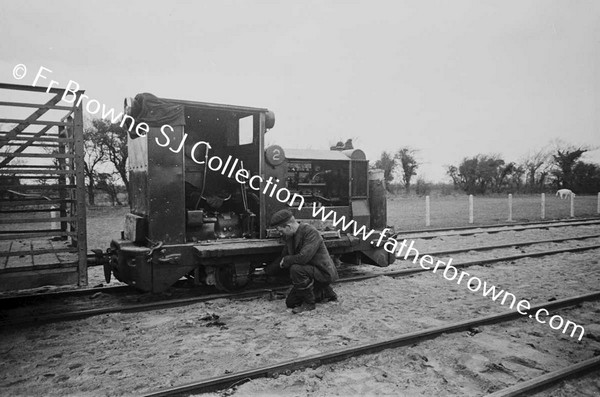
x=540, y=171
x=482, y=174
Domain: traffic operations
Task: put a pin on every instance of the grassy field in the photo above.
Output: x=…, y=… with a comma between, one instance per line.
x=105, y=223
x=409, y=213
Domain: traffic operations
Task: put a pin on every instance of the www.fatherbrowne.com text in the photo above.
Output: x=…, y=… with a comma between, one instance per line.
x=450, y=273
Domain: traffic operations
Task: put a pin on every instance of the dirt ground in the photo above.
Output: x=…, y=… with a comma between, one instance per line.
x=133, y=353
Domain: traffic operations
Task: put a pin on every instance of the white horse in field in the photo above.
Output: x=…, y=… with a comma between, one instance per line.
x=564, y=193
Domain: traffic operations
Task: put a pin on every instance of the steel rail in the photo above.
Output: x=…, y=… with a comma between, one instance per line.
x=227, y=381
x=489, y=226
x=140, y=307
x=22, y=299
x=546, y=380
x=258, y=292
x=507, y=245
x=493, y=260
x=471, y=231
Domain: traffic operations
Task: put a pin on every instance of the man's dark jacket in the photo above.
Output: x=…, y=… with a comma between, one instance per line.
x=307, y=247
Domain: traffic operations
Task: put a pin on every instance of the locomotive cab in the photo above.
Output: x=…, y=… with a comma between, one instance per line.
x=182, y=173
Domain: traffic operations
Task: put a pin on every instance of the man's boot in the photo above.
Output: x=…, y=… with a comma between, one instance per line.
x=295, y=298
x=318, y=291
x=329, y=294
x=308, y=297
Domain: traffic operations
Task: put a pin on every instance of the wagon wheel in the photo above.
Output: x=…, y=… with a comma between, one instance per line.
x=232, y=277
x=107, y=272
x=106, y=264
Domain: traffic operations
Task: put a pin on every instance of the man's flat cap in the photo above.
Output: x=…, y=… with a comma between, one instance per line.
x=280, y=217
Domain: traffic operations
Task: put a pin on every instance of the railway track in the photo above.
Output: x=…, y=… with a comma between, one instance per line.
x=509, y=224
x=229, y=380
x=271, y=291
x=549, y=379
x=242, y=315
x=507, y=245
x=490, y=229
x=22, y=299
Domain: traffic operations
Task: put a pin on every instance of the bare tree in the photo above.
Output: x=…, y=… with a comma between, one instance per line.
x=536, y=167
x=113, y=139
x=109, y=183
x=94, y=155
x=8, y=178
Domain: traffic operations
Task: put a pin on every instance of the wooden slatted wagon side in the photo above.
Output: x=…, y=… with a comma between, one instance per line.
x=42, y=189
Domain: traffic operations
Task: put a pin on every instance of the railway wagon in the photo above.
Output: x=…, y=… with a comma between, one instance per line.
x=203, y=188
x=42, y=195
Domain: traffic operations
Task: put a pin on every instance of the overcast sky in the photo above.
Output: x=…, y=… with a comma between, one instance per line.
x=449, y=78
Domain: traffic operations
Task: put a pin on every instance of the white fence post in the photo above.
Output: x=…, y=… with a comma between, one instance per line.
x=510, y=207
x=543, y=205
x=598, y=210
x=427, y=212
x=572, y=205
x=470, y=208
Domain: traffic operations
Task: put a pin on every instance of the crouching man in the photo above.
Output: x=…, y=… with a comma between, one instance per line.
x=306, y=258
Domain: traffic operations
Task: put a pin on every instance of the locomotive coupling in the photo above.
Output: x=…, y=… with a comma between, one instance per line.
x=98, y=257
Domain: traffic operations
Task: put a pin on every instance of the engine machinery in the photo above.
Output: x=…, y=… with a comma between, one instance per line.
x=195, y=214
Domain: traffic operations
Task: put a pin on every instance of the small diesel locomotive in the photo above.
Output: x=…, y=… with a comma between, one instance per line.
x=203, y=187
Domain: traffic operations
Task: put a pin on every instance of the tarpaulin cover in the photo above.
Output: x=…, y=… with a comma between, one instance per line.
x=155, y=112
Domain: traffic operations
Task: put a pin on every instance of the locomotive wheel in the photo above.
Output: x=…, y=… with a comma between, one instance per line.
x=232, y=277
x=112, y=262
